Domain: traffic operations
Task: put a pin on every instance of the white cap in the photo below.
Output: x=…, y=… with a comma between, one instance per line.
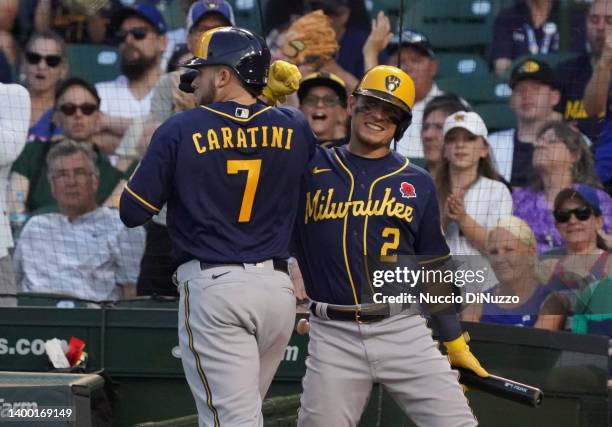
x=469, y=121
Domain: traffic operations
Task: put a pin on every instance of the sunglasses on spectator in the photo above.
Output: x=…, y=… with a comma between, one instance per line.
x=51, y=60
x=138, y=33
x=563, y=215
x=87, y=109
x=328, y=100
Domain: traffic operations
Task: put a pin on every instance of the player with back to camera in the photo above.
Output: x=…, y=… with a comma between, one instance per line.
x=229, y=171
x=363, y=200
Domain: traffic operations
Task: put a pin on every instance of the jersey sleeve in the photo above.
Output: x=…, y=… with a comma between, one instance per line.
x=430, y=244
x=151, y=183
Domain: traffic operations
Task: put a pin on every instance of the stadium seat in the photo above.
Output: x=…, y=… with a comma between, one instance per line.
x=452, y=36
x=459, y=64
x=497, y=116
x=171, y=10
x=477, y=88
x=464, y=10
x=95, y=63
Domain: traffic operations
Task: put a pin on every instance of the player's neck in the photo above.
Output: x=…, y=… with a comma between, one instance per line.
x=237, y=95
x=368, y=151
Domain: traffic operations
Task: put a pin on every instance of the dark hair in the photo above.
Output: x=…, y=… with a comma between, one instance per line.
x=75, y=81
x=48, y=35
x=179, y=50
x=583, y=171
x=449, y=103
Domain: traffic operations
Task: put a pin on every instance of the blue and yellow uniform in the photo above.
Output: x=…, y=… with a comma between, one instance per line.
x=229, y=174
x=360, y=209
x=354, y=213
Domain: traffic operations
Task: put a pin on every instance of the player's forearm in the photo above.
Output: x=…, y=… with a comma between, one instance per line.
x=596, y=92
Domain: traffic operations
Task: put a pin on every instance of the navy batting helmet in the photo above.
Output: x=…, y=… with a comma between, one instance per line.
x=245, y=52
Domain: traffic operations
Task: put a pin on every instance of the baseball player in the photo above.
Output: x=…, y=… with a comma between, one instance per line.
x=229, y=172
x=362, y=201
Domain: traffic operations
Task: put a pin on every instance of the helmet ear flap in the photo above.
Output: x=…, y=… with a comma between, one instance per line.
x=402, y=126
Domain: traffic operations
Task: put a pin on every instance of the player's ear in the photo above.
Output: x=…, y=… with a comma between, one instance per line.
x=352, y=101
x=223, y=76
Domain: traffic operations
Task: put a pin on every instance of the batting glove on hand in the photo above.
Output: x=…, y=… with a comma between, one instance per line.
x=460, y=356
x=283, y=79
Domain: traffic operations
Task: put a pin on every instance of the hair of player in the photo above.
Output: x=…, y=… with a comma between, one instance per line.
x=443, y=178
x=583, y=171
x=66, y=84
x=48, y=35
x=448, y=103
x=518, y=228
x=66, y=148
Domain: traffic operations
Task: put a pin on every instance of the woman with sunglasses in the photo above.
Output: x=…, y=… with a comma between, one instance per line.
x=44, y=65
x=586, y=258
x=561, y=159
x=511, y=249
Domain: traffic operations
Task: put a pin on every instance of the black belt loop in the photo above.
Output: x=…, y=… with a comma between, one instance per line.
x=279, y=265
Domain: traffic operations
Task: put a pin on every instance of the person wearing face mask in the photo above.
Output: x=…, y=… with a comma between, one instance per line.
x=323, y=101
x=586, y=255
x=511, y=249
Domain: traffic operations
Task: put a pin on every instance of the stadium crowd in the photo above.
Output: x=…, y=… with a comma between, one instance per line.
x=529, y=198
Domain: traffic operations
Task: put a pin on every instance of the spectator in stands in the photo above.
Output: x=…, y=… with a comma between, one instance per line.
x=45, y=64
x=471, y=197
x=76, y=22
x=416, y=57
x=323, y=101
x=84, y=250
x=76, y=110
x=575, y=73
x=586, y=257
x=14, y=122
x=432, y=136
x=8, y=15
x=142, y=44
x=167, y=98
x=178, y=36
x=511, y=248
x=598, y=93
x=5, y=69
x=532, y=27
x=534, y=96
x=561, y=159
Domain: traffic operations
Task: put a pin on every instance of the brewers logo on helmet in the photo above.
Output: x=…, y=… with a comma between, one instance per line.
x=388, y=84
x=245, y=52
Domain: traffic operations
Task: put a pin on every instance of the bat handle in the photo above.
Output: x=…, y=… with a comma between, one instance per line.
x=502, y=387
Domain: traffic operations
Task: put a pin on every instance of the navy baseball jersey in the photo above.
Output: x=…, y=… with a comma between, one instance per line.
x=357, y=208
x=230, y=176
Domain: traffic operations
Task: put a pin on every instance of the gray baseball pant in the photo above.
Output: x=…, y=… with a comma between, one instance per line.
x=346, y=358
x=234, y=325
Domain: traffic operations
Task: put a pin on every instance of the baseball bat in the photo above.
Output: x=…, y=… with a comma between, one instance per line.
x=502, y=387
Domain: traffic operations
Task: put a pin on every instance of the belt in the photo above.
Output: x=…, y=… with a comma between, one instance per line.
x=362, y=313
x=278, y=264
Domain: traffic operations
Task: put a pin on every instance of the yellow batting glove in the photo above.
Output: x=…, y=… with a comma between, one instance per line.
x=460, y=356
x=283, y=79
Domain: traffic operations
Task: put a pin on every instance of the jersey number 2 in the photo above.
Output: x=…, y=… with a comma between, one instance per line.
x=394, y=233
x=252, y=167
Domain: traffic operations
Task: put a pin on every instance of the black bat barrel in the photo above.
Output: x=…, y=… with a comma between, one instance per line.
x=502, y=387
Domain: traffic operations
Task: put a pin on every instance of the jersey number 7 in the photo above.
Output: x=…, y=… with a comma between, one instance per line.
x=252, y=167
